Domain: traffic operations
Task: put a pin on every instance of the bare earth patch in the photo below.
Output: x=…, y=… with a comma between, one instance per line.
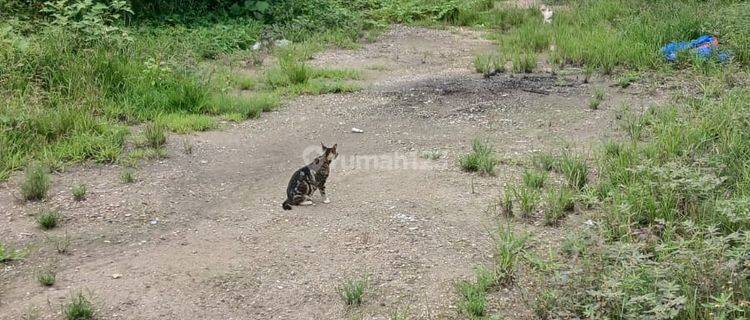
x=203, y=235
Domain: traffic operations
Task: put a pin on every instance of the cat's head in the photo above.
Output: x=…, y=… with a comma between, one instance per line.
x=329, y=153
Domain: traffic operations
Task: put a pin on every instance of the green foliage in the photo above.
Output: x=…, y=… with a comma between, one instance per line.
x=488, y=64
x=36, y=183
x=534, y=179
x=524, y=62
x=527, y=199
x=46, y=278
x=481, y=159
x=597, y=99
x=155, y=135
x=185, y=123
x=575, y=170
x=352, y=291
x=48, y=219
x=79, y=308
x=127, y=176
x=88, y=20
x=79, y=192
x=559, y=202
x=7, y=254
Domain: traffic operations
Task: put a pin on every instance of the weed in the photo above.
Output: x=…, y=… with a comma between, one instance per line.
x=79, y=192
x=473, y=299
x=534, y=179
x=79, y=308
x=489, y=64
x=46, y=277
x=507, y=202
x=431, y=154
x=36, y=183
x=559, y=202
x=481, y=159
x=544, y=161
x=127, y=176
x=243, y=81
x=524, y=62
x=508, y=247
x=527, y=199
x=352, y=291
x=155, y=135
x=180, y=123
x=625, y=80
x=48, y=219
x=7, y=254
x=597, y=99
x=61, y=244
x=187, y=146
x=575, y=170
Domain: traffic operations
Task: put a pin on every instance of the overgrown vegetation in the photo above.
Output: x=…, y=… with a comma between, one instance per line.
x=36, y=183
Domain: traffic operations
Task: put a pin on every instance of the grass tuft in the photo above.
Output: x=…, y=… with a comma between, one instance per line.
x=36, y=183
x=48, y=219
x=46, y=278
x=559, y=203
x=527, y=200
x=79, y=308
x=489, y=64
x=79, y=192
x=127, y=176
x=352, y=291
x=7, y=254
x=155, y=135
x=482, y=159
x=575, y=170
x=534, y=179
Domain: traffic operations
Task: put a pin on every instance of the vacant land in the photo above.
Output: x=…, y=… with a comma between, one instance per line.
x=507, y=168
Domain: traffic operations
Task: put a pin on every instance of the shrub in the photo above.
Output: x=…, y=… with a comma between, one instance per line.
x=48, y=219
x=352, y=291
x=79, y=308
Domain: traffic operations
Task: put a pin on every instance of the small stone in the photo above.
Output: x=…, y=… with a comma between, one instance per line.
x=356, y=130
x=116, y=276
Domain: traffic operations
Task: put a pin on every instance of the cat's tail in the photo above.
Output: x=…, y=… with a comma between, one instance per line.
x=286, y=205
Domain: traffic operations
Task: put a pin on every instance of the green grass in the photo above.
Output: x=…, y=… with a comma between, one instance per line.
x=8, y=255
x=46, y=278
x=48, y=219
x=575, y=170
x=508, y=248
x=127, y=176
x=36, y=183
x=534, y=179
x=544, y=161
x=597, y=99
x=155, y=135
x=79, y=192
x=488, y=64
x=473, y=299
x=79, y=308
x=559, y=203
x=431, y=154
x=524, y=62
x=352, y=291
x=185, y=123
x=482, y=159
x=527, y=200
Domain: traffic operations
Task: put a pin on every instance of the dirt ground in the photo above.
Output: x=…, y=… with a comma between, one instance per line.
x=203, y=235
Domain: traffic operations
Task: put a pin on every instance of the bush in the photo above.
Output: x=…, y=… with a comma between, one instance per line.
x=48, y=219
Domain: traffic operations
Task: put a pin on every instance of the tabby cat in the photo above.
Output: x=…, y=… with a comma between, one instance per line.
x=309, y=178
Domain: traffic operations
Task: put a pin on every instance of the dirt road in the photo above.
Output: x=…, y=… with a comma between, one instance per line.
x=203, y=235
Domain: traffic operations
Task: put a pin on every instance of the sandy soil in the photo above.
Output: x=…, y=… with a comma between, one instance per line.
x=203, y=235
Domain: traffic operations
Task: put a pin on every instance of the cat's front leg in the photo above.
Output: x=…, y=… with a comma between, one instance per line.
x=323, y=195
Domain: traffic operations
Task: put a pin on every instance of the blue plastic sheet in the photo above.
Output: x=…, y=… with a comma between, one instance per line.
x=705, y=46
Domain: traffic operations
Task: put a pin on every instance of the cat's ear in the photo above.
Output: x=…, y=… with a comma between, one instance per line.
x=323, y=146
x=334, y=147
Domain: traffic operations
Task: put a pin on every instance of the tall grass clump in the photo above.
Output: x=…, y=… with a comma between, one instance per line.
x=489, y=64
x=36, y=183
x=79, y=308
x=482, y=159
x=7, y=254
x=48, y=219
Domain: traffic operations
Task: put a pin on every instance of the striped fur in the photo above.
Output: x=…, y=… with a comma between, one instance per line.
x=309, y=178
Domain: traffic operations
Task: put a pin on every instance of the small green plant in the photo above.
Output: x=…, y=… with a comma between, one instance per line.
x=155, y=135
x=187, y=147
x=7, y=254
x=559, y=202
x=524, y=62
x=597, y=99
x=473, y=299
x=61, y=244
x=534, y=179
x=575, y=170
x=489, y=64
x=36, y=183
x=127, y=176
x=625, y=80
x=431, y=154
x=544, y=161
x=527, y=199
x=48, y=219
x=79, y=308
x=46, y=277
x=508, y=248
x=481, y=159
x=352, y=291
x=79, y=192
x=506, y=202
